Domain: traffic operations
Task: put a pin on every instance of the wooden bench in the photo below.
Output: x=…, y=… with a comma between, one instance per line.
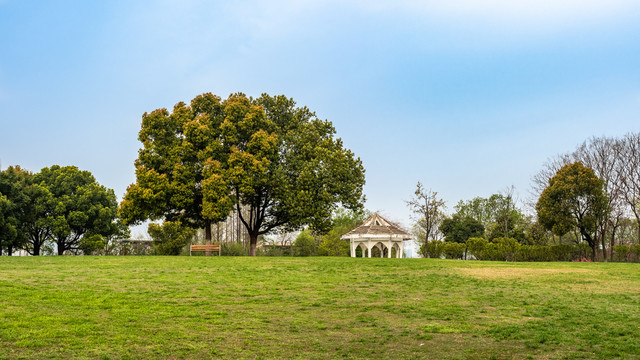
x=193, y=248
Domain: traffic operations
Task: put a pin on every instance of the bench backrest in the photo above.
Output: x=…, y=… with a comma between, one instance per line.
x=205, y=247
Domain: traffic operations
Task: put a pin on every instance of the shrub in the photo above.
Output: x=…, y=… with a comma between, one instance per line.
x=270, y=251
x=91, y=244
x=233, y=249
x=332, y=245
x=635, y=250
x=477, y=247
x=170, y=237
x=305, y=244
x=621, y=252
x=435, y=247
x=507, y=248
x=453, y=250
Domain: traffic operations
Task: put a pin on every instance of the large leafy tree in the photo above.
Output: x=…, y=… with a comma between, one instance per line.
x=460, y=228
x=8, y=230
x=177, y=147
x=574, y=198
x=16, y=207
x=276, y=162
x=79, y=206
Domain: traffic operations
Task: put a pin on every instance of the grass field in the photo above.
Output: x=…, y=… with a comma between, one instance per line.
x=315, y=308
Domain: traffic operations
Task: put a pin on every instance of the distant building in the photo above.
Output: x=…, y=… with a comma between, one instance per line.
x=379, y=235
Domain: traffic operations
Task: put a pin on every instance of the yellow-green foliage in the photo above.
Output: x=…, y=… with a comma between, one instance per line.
x=170, y=237
x=305, y=244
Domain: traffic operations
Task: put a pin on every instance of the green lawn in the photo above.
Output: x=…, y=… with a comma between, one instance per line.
x=315, y=308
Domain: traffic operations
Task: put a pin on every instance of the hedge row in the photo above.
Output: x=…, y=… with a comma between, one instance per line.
x=508, y=249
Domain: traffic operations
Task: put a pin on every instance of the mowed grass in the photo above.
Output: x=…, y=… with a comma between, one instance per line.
x=315, y=308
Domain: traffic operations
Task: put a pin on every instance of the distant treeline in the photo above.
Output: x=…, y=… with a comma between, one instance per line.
x=57, y=210
x=587, y=199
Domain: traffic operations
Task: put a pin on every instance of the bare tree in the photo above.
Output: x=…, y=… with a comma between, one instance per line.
x=630, y=177
x=506, y=206
x=549, y=169
x=428, y=210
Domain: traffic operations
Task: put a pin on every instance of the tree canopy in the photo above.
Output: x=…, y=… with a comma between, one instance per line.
x=460, y=228
x=14, y=203
x=80, y=206
x=170, y=237
x=60, y=204
x=278, y=162
x=575, y=198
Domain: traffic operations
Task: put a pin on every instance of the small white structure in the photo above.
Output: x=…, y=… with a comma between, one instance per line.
x=378, y=233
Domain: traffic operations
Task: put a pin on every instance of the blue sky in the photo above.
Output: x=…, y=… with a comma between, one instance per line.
x=469, y=97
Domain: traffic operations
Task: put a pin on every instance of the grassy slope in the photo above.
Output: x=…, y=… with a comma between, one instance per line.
x=181, y=307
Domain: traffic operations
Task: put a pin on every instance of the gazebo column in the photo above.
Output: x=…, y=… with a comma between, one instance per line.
x=353, y=248
x=401, y=249
x=389, y=248
x=369, y=247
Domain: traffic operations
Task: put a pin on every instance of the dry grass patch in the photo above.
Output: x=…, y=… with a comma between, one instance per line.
x=518, y=272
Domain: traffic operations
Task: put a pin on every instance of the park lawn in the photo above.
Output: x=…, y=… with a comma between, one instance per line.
x=315, y=308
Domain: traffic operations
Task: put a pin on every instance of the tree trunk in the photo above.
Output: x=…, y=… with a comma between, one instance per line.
x=60, y=248
x=612, y=243
x=253, y=243
x=9, y=250
x=426, y=247
x=603, y=231
x=207, y=235
x=36, y=248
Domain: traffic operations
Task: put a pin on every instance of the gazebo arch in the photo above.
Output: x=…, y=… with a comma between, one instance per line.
x=380, y=233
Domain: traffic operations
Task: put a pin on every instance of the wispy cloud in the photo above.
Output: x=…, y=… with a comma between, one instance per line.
x=519, y=13
x=520, y=17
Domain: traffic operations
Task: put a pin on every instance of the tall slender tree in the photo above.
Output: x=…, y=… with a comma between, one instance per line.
x=429, y=213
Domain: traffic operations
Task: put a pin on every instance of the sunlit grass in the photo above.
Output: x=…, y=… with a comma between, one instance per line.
x=315, y=308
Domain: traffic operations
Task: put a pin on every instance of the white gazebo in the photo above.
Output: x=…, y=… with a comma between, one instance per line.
x=378, y=233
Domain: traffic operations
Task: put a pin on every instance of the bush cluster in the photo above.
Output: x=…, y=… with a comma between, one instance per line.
x=233, y=249
x=509, y=249
x=626, y=253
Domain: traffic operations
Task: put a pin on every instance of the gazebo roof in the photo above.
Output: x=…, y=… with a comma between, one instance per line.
x=377, y=227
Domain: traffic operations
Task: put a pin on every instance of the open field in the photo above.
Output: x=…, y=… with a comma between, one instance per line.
x=315, y=308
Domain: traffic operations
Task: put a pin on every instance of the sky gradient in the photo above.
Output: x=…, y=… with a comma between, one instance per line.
x=468, y=97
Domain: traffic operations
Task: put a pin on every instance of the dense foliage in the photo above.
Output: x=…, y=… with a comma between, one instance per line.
x=277, y=160
x=169, y=238
x=61, y=205
x=342, y=222
x=575, y=198
x=460, y=228
x=305, y=244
